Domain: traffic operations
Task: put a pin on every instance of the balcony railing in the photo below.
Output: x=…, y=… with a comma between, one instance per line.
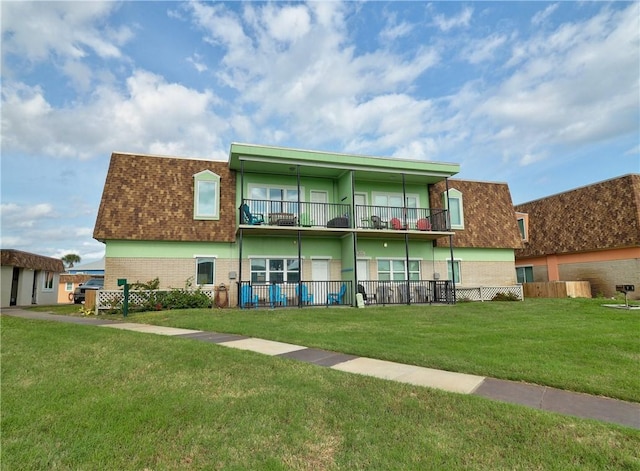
x=391, y=217
x=340, y=293
x=336, y=215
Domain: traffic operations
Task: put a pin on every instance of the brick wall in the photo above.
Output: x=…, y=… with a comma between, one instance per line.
x=604, y=276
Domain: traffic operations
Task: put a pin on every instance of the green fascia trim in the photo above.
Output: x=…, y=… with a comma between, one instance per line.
x=475, y=255
x=161, y=249
x=337, y=160
x=374, y=249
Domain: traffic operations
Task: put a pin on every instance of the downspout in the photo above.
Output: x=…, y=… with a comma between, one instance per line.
x=354, y=236
x=241, y=231
x=406, y=236
x=299, y=241
x=453, y=273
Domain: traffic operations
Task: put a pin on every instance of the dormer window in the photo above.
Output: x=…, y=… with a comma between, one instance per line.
x=206, y=197
x=523, y=225
x=454, y=204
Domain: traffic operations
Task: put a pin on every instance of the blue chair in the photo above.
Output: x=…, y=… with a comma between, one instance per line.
x=248, y=218
x=336, y=298
x=247, y=296
x=276, y=296
x=303, y=294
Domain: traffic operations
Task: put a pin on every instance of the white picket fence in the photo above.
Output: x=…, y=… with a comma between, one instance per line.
x=487, y=293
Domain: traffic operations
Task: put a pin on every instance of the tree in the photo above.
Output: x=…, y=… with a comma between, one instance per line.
x=70, y=259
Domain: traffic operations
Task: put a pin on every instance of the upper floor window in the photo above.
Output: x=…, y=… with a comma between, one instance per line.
x=206, y=195
x=267, y=199
x=523, y=223
x=454, y=204
x=389, y=205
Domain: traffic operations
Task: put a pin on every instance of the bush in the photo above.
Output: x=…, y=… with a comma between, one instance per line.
x=506, y=297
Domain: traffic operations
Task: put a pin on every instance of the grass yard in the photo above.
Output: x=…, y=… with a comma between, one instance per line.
x=92, y=398
x=574, y=344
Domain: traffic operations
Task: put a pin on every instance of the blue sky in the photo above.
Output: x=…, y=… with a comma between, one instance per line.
x=543, y=96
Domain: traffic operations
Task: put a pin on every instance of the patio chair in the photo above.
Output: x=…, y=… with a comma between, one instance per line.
x=384, y=294
x=276, y=296
x=247, y=296
x=303, y=294
x=248, y=218
x=378, y=223
x=423, y=225
x=336, y=298
x=396, y=224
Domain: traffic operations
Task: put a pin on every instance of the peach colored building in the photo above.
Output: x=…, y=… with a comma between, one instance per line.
x=590, y=234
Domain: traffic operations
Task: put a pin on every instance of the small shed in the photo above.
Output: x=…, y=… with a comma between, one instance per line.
x=28, y=278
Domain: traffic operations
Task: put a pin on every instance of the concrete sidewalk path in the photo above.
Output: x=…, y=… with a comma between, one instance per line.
x=539, y=397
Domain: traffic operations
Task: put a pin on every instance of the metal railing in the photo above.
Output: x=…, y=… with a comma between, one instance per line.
x=340, y=293
x=406, y=292
x=305, y=293
x=338, y=215
x=391, y=217
x=292, y=213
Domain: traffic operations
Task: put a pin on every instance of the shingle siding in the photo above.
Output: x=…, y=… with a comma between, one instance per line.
x=151, y=198
x=601, y=216
x=489, y=218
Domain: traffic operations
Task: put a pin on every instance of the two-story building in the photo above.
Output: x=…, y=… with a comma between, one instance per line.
x=280, y=226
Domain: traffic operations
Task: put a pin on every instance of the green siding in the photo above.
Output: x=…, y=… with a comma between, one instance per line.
x=159, y=249
x=476, y=255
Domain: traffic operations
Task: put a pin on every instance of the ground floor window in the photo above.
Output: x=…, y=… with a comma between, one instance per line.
x=275, y=270
x=68, y=286
x=205, y=270
x=48, y=281
x=453, y=270
x=524, y=274
x=389, y=269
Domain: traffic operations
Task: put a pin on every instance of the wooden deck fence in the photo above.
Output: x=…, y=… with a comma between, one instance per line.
x=557, y=289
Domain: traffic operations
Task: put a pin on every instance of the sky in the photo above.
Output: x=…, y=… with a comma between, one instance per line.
x=541, y=95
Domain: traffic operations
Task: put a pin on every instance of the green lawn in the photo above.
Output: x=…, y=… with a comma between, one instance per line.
x=574, y=344
x=91, y=398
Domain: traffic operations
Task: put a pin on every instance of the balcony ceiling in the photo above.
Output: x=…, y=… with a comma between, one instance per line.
x=282, y=161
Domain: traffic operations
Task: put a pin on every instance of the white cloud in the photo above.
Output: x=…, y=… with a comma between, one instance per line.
x=60, y=33
x=484, y=49
x=22, y=216
x=463, y=19
x=541, y=16
x=287, y=23
x=576, y=85
x=151, y=115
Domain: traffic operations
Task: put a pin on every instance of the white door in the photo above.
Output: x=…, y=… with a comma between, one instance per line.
x=363, y=270
x=362, y=216
x=319, y=208
x=319, y=275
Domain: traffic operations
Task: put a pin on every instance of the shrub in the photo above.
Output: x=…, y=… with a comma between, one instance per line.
x=506, y=297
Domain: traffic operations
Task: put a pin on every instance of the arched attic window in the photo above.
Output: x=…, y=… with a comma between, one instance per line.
x=454, y=204
x=206, y=197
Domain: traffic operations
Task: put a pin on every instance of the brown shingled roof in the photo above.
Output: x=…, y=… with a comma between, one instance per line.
x=605, y=215
x=151, y=198
x=489, y=217
x=18, y=258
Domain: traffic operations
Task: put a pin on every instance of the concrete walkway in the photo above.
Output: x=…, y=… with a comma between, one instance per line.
x=530, y=395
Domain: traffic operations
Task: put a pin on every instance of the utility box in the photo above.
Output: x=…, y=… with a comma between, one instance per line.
x=359, y=300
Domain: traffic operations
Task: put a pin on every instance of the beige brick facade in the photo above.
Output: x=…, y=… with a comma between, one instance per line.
x=604, y=276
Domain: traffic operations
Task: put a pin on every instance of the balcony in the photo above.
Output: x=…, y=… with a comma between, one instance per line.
x=335, y=216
